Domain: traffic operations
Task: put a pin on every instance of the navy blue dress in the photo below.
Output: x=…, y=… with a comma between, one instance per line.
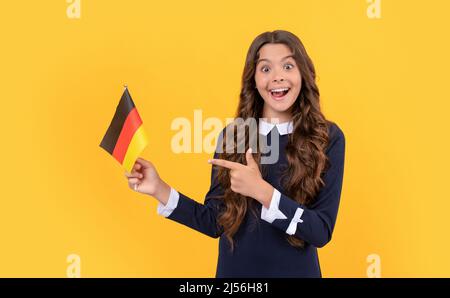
x=261, y=248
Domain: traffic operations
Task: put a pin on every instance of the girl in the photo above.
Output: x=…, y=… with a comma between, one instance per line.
x=270, y=218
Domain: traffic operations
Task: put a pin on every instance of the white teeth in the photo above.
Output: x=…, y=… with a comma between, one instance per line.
x=279, y=90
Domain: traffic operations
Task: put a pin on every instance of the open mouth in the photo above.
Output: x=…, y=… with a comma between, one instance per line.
x=279, y=93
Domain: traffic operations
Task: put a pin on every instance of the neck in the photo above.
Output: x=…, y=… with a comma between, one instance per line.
x=276, y=117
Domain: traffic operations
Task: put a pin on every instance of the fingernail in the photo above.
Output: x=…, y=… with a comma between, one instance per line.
x=209, y=160
x=250, y=150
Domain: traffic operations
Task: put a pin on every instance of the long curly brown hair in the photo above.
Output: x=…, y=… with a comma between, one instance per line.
x=306, y=146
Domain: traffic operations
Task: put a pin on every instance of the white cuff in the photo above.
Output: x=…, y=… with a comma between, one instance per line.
x=172, y=203
x=296, y=219
x=273, y=212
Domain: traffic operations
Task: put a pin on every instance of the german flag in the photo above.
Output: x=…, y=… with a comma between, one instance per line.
x=125, y=138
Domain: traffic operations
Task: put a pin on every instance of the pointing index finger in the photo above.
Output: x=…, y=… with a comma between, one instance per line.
x=224, y=163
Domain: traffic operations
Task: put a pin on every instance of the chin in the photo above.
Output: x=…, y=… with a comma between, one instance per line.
x=281, y=106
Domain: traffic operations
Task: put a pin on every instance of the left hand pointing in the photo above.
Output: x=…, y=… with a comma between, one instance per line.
x=247, y=179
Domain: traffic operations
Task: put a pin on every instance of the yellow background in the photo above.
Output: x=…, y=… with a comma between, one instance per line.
x=383, y=81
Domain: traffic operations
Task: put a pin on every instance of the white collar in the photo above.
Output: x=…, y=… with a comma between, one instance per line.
x=283, y=128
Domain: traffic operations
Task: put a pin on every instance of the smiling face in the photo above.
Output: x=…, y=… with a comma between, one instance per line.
x=278, y=80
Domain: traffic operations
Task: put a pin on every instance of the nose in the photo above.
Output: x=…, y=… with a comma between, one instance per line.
x=277, y=77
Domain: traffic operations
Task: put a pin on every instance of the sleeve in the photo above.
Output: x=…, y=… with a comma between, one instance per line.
x=314, y=224
x=172, y=203
x=200, y=217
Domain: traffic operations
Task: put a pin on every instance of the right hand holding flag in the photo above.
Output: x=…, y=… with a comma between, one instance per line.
x=144, y=178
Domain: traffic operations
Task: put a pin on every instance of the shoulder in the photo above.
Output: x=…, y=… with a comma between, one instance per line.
x=336, y=137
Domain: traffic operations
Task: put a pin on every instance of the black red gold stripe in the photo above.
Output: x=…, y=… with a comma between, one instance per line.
x=125, y=138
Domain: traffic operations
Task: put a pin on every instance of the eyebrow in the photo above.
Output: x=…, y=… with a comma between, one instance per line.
x=264, y=59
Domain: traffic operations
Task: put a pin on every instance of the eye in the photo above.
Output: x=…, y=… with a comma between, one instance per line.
x=288, y=66
x=264, y=69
